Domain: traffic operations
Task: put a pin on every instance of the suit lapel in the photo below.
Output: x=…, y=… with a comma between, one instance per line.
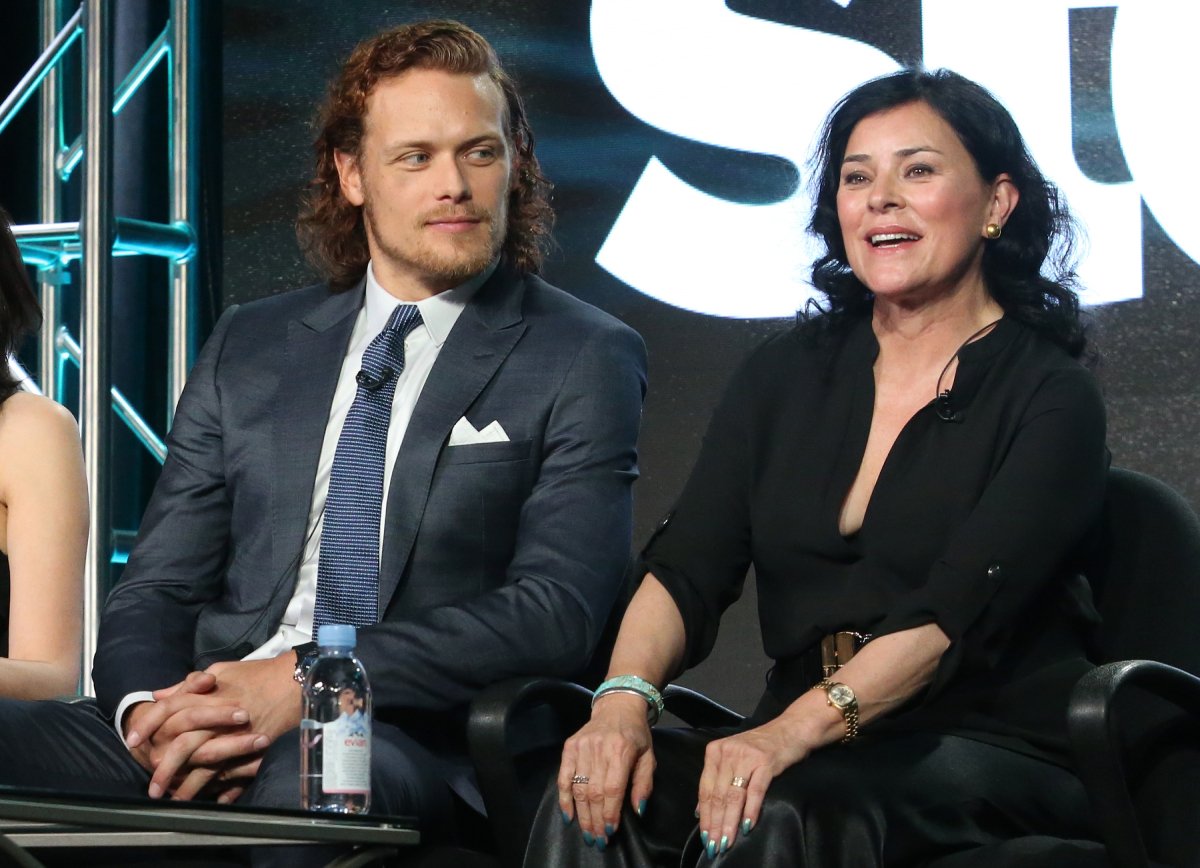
x=478, y=344
x=316, y=346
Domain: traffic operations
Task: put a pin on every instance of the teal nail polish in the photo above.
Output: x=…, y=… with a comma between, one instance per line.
x=641, y=808
x=747, y=825
x=724, y=843
x=588, y=839
x=608, y=830
x=566, y=818
x=711, y=849
x=601, y=844
x=704, y=839
x=697, y=813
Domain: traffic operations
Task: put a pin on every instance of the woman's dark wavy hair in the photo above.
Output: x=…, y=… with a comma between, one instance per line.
x=1040, y=229
x=330, y=229
x=20, y=313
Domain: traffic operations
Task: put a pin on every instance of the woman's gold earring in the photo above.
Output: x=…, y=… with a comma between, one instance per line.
x=992, y=231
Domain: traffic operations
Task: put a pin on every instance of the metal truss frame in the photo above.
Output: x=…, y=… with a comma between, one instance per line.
x=54, y=245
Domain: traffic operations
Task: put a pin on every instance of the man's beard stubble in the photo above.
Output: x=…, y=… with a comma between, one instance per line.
x=447, y=268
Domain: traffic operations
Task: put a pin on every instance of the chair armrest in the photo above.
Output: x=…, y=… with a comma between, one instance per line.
x=696, y=709
x=494, y=708
x=548, y=711
x=1095, y=744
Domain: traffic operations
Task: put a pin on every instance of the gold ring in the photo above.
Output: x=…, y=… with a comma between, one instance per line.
x=581, y=779
x=739, y=782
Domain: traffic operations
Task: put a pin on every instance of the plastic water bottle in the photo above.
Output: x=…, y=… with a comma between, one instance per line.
x=335, y=727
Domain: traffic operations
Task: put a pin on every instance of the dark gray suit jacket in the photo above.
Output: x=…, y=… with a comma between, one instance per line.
x=499, y=559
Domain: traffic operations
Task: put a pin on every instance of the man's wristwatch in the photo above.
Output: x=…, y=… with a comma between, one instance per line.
x=306, y=656
x=841, y=697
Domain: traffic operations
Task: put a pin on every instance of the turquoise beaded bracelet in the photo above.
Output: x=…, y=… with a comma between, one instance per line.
x=638, y=687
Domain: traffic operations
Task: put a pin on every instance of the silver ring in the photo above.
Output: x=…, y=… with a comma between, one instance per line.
x=739, y=782
x=581, y=779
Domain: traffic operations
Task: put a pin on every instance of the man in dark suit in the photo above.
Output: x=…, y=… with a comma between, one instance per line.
x=501, y=523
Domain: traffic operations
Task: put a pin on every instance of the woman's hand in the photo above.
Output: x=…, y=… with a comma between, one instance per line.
x=613, y=752
x=611, y=749
x=753, y=759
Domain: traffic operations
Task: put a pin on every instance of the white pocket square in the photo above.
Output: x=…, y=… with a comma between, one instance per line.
x=464, y=433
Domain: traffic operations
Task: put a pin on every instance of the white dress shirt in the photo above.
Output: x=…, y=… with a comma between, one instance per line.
x=439, y=313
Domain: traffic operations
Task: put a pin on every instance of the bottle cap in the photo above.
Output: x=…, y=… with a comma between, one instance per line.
x=336, y=636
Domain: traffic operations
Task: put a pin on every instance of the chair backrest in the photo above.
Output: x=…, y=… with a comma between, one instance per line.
x=1145, y=573
x=1146, y=577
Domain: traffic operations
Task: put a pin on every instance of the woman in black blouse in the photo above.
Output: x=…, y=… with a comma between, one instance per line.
x=918, y=464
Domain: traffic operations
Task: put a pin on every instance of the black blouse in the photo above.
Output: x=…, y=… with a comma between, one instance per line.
x=974, y=524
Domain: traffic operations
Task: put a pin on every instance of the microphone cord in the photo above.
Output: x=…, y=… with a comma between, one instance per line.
x=942, y=399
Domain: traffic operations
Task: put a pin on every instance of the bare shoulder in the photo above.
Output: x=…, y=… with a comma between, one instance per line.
x=34, y=426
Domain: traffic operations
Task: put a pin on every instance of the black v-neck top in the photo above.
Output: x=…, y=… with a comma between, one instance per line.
x=974, y=523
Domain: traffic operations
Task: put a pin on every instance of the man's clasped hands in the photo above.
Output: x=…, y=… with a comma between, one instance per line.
x=206, y=735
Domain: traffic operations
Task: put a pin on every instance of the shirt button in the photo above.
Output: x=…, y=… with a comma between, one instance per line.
x=993, y=572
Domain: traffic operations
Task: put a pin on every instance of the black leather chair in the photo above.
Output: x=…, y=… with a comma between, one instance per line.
x=1135, y=720
x=1138, y=757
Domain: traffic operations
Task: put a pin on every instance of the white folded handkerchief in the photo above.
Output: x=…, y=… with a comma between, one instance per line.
x=464, y=433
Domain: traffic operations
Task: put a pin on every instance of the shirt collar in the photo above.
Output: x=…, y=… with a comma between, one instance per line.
x=439, y=312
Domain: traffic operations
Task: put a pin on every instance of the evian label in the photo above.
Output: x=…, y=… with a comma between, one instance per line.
x=346, y=756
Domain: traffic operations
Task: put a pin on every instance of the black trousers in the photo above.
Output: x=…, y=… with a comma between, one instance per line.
x=72, y=748
x=896, y=799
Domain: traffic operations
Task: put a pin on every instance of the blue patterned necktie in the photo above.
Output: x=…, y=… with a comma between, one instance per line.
x=348, y=566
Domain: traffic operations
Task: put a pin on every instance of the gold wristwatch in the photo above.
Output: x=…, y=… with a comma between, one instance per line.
x=841, y=697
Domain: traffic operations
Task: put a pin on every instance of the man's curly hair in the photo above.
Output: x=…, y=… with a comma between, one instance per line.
x=330, y=229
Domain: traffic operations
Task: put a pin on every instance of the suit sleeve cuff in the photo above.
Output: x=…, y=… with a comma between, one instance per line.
x=128, y=702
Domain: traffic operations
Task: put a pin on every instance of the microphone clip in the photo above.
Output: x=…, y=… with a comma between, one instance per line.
x=372, y=383
x=943, y=405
